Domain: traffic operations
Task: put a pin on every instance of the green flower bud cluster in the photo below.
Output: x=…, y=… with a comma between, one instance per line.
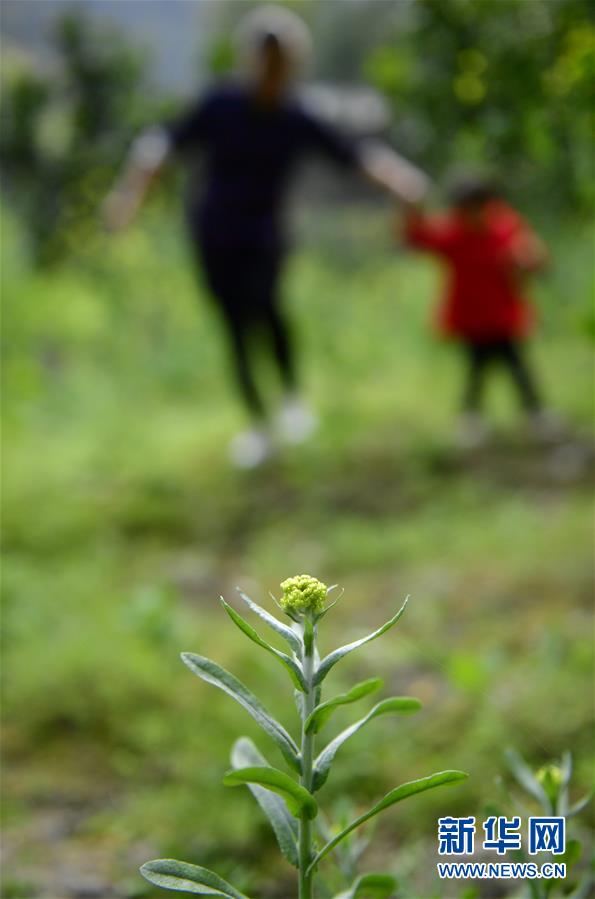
x=303, y=593
x=550, y=777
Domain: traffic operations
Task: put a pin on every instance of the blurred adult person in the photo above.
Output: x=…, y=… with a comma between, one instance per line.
x=252, y=131
x=488, y=251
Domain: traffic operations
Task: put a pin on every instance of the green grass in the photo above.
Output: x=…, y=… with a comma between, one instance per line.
x=124, y=523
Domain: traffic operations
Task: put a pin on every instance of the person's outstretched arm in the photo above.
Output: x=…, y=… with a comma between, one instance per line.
x=386, y=168
x=147, y=157
x=378, y=162
x=420, y=231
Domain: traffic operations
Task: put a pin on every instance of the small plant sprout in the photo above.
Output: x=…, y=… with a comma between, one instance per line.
x=289, y=799
x=547, y=792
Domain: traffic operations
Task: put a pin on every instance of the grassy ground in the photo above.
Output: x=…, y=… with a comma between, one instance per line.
x=124, y=523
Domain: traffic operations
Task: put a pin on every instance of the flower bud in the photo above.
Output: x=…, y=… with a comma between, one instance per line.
x=550, y=778
x=303, y=593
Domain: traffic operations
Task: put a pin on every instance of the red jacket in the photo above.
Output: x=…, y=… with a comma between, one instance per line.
x=483, y=299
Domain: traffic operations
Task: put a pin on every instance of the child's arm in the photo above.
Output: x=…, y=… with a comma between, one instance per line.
x=417, y=229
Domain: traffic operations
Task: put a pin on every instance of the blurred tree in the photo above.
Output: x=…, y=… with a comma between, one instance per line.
x=62, y=136
x=26, y=100
x=502, y=83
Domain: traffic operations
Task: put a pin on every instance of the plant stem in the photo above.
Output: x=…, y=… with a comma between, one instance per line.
x=307, y=753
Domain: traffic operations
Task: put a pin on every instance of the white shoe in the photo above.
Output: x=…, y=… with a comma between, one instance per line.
x=546, y=426
x=295, y=421
x=472, y=431
x=569, y=462
x=249, y=449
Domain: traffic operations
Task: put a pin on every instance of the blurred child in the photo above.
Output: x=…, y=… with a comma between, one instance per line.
x=488, y=250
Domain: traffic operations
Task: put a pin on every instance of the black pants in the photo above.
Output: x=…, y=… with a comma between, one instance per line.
x=244, y=283
x=508, y=353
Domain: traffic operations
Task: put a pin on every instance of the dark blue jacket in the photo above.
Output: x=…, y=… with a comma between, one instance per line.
x=250, y=153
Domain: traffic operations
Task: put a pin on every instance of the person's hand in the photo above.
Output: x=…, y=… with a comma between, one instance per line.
x=404, y=181
x=408, y=186
x=146, y=158
x=119, y=209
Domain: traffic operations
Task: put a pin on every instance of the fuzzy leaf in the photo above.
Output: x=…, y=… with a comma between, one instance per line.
x=331, y=660
x=566, y=768
x=579, y=805
x=245, y=754
x=330, y=605
x=323, y=712
x=572, y=853
x=560, y=803
x=525, y=776
x=402, y=705
x=379, y=886
x=213, y=674
x=396, y=795
x=286, y=632
x=174, y=875
x=292, y=667
x=299, y=800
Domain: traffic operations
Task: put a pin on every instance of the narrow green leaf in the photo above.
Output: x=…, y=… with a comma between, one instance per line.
x=331, y=660
x=378, y=886
x=323, y=712
x=572, y=853
x=579, y=805
x=299, y=800
x=402, y=705
x=174, y=875
x=569, y=858
x=560, y=802
x=245, y=754
x=292, y=667
x=583, y=888
x=566, y=767
x=525, y=776
x=396, y=795
x=286, y=632
x=326, y=609
x=213, y=674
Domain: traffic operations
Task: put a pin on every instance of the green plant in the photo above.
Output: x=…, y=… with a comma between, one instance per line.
x=289, y=803
x=548, y=788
